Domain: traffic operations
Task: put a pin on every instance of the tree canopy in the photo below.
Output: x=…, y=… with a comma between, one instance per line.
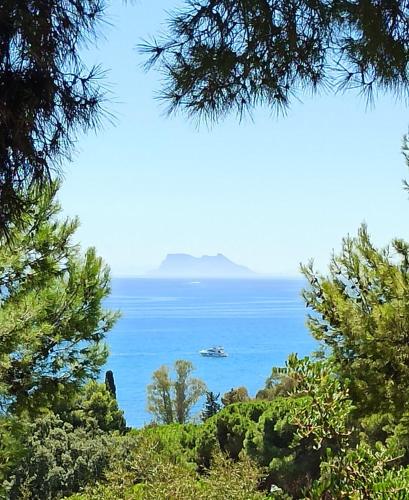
x=52, y=320
x=46, y=92
x=172, y=400
x=223, y=55
x=361, y=314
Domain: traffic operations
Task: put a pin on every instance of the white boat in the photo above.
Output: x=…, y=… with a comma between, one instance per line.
x=214, y=352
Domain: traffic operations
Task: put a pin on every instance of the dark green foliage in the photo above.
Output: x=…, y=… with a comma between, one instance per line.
x=59, y=460
x=52, y=326
x=56, y=455
x=222, y=55
x=94, y=405
x=289, y=435
x=272, y=434
x=287, y=438
x=238, y=395
x=46, y=94
x=362, y=316
x=232, y=424
x=272, y=443
x=267, y=432
x=212, y=406
x=110, y=383
x=226, y=431
x=174, y=441
x=377, y=427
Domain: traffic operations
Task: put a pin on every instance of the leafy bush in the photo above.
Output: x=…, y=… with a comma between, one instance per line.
x=238, y=395
x=361, y=472
x=174, y=441
x=12, y=432
x=227, y=430
x=279, y=383
x=288, y=435
x=59, y=460
x=150, y=474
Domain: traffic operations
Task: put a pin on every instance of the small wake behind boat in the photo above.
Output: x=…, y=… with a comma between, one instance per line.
x=214, y=352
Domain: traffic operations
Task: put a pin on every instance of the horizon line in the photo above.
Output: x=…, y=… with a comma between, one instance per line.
x=254, y=276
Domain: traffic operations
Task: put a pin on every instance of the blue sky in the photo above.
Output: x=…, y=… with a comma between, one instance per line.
x=268, y=193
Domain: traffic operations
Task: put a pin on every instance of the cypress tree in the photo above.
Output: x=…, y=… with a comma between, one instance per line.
x=110, y=383
x=212, y=405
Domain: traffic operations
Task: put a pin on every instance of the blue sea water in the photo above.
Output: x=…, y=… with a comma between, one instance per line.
x=259, y=322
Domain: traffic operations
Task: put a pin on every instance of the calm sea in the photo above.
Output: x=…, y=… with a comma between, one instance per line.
x=258, y=322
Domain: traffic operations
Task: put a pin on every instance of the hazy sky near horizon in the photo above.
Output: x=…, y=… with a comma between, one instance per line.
x=268, y=193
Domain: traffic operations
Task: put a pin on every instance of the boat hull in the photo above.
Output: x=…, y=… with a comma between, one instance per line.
x=212, y=355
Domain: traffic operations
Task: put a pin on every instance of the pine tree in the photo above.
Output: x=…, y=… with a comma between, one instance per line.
x=46, y=93
x=52, y=320
x=223, y=55
x=361, y=315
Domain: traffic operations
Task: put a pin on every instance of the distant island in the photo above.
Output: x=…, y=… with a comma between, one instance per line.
x=180, y=265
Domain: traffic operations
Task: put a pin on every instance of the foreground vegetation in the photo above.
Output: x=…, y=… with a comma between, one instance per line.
x=335, y=425
x=332, y=426
x=306, y=444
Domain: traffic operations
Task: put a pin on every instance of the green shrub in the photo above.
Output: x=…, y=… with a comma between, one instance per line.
x=95, y=405
x=152, y=475
x=238, y=395
x=227, y=430
x=59, y=460
x=174, y=441
x=12, y=433
x=360, y=473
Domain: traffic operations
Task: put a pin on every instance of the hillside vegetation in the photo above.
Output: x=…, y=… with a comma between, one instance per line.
x=332, y=426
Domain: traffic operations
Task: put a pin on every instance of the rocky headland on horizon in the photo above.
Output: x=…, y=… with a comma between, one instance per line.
x=208, y=266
